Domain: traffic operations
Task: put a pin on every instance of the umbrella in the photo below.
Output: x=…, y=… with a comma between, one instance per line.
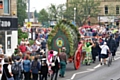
x=86, y=26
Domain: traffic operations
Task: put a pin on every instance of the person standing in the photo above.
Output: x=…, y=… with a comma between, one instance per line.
x=7, y=73
x=44, y=68
x=63, y=62
x=1, y=50
x=35, y=68
x=26, y=68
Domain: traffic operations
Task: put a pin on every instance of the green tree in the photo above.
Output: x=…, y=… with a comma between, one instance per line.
x=84, y=8
x=43, y=17
x=21, y=11
x=56, y=12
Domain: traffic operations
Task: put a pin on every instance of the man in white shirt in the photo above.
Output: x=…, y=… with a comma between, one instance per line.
x=104, y=52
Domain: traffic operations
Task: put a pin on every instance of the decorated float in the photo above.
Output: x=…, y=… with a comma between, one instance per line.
x=65, y=34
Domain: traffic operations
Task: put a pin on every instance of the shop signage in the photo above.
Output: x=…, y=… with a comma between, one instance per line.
x=8, y=23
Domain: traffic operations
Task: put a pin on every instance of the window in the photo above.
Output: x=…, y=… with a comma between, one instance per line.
x=106, y=9
x=117, y=9
x=8, y=42
x=6, y=6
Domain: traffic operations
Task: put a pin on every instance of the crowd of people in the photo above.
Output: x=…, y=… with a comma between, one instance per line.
x=33, y=62
x=101, y=42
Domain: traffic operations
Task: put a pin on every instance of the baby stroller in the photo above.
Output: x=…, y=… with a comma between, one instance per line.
x=88, y=59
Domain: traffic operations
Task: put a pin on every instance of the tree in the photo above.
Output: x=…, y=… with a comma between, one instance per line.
x=21, y=11
x=84, y=8
x=43, y=17
x=56, y=12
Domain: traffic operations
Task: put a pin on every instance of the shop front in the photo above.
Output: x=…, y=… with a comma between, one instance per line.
x=8, y=34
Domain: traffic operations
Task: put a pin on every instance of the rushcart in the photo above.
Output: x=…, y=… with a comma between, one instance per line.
x=67, y=35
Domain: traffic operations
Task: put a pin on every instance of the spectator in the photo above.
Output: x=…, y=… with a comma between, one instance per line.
x=34, y=49
x=26, y=41
x=23, y=49
x=17, y=68
x=22, y=41
x=35, y=67
x=1, y=50
x=26, y=68
x=44, y=68
x=7, y=73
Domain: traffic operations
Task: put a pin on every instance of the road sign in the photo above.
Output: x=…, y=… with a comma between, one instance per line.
x=29, y=24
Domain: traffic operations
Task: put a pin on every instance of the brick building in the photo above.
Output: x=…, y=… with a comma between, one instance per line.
x=109, y=11
x=8, y=25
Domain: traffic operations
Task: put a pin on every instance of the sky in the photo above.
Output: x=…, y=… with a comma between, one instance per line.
x=40, y=4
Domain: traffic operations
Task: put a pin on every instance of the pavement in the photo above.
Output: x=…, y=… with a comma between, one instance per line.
x=95, y=71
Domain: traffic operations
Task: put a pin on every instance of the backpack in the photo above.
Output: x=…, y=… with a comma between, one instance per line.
x=34, y=65
x=16, y=68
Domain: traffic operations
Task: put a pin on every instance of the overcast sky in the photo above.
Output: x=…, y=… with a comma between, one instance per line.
x=40, y=4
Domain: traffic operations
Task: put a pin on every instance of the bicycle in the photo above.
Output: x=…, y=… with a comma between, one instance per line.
x=109, y=59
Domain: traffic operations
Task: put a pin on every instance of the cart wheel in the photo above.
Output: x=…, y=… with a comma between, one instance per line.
x=77, y=60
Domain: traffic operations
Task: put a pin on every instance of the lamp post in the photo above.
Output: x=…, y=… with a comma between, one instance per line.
x=75, y=15
x=28, y=10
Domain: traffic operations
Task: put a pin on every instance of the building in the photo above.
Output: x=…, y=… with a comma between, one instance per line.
x=8, y=25
x=109, y=12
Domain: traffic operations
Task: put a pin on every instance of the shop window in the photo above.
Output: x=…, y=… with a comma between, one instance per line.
x=117, y=9
x=8, y=42
x=106, y=9
x=6, y=6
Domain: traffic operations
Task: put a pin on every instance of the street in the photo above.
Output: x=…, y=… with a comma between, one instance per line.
x=94, y=71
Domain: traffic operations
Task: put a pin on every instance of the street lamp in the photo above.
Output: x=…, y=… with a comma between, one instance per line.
x=74, y=15
x=28, y=10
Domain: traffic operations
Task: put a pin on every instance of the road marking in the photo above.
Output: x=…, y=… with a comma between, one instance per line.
x=97, y=66
x=88, y=70
x=117, y=58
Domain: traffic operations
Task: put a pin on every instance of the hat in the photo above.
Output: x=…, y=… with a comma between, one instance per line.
x=55, y=53
x=0, y=45
x=105, y=43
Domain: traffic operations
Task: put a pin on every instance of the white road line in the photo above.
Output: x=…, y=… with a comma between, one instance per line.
x=88, y=70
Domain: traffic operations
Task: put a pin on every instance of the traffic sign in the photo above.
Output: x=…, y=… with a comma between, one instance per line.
x=29, y=24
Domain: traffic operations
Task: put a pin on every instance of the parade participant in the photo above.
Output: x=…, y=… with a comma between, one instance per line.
x=55, y=65
x=112, y=45
x=83, y=51
x=104, y=52
x=63, y=62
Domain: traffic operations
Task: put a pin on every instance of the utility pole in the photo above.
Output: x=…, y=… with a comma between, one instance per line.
x=28, y=10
